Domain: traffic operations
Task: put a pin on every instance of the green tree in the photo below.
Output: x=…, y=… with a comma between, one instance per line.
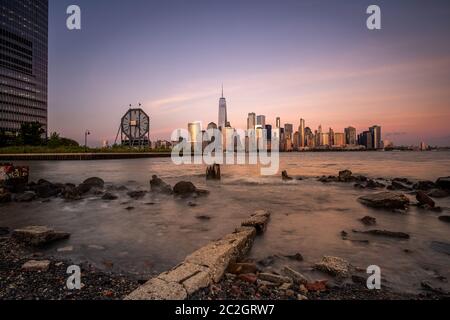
x=30, y=134
x=56, y=141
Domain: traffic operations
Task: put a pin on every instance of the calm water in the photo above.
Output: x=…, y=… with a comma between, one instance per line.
x=308, y=216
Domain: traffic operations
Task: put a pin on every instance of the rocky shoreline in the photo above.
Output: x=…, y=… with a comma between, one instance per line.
x=25, y=273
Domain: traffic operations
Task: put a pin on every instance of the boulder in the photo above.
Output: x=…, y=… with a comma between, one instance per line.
x=213, y=172
x=187, y=188
x=71, y=192
x=137, y=194
x=94, y=182
x=45, y=189
x=27, y=196
x=158, y=185
x=372, y=184
x=424, y=185
x=109, y=196
x=385, y=200
x=285, y=176
x=385, y=233
x=369, y=221
x=334, y=266
x=38, y=235
x=346, y=176
x=443, y=183
x=424, y=199
x=36, y=265
x=445, y=218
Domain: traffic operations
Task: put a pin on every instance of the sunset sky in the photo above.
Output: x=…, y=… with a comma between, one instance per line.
x=294, y=59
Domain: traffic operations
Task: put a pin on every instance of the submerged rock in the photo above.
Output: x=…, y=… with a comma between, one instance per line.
x=334, y=265
x=372, y=184
x=445, y=218
x=45, y=189
x=94, y=182
x=109, y=196
x=38, y=235
x=285, y=176
x=213, y=172
x=158, y=185
x=71, y=192
x=385, y=233
x=443, y=183
x=297, y=256
x=27, y=196
x=424, y=185
x=346, y=176
x=398, y=185
x=328, y=179
x=424, y=199
x=369, y=221
x=187, y=188
x=441, y=247
x=385, y=200
x=137, y=194
x=438, y=193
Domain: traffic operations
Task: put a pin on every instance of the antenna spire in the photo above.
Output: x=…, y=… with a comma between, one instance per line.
x=222, y=90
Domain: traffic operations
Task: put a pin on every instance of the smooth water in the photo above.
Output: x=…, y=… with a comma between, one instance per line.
x=307, y=216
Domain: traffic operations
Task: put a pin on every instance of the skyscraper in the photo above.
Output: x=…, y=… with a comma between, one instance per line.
x=223, y=120
x=350, y=136
x=366, y=139
x=23, y=63
x=288, y=130
x=261, y=121
x=376, y=136
x=195, y=131
x=301, y=133
x=278, y=124
x=251, y=121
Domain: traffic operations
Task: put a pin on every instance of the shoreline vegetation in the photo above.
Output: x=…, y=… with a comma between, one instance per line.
x=221, y=269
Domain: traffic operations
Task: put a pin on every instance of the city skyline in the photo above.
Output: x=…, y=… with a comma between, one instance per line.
x=308, y=59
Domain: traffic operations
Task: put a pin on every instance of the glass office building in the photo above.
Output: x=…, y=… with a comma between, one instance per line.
x=23, y=63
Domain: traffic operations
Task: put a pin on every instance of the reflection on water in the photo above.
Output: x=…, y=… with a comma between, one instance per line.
x=308, y=216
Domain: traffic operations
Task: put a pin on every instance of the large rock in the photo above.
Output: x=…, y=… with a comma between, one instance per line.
x=213, y=172
x=424, y=199
x=258, y=220
x=45, y=189
x=94, y=182
x=334, y=266
x=27, y=196
x=399, y=185
x=38, y=235
x=184, y=188
x=158, y=185
x=346, y=176
x=385, y=200
x=71, y=192
x=424, y=185
x=443, y=183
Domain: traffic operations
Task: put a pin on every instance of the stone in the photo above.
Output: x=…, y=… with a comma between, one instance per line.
x=285, y=286
x=319, y=286
x=385, y=233
x=372, y=184
x=441, y=247
x=109, y=196
x=65, y=249
x=424, y=185
x=27, y=196
x=428, y=286
x=402, y=180
x=302, y=289
x=328, y=179
x=45, y=189
x=424, y=199
x=158, y=185
x=38, y=235
x=285, y=176
x=444, y=218
x=368, y=221
x=184, y=188
x=301, y=297
x=213, y=172
x=248, y=277
x=258, y=220
x=274, y=278
x=385, y=200
x=192, y=276
x=397, y=185
x=138, y=194
x=242, y=267
x=157, y=289
x=94, y=182
x=296, y=276
x=346, y=176
x=71, y=192
x=443, y=183
x=36, y=265
x=334, y=266
x=438, y=193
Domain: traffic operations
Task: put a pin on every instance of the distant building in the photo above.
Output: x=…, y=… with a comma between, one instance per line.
x=278, y=123
x=288, y=131
x=251, y=121
x=339, y=139
x=331, y=137
x=423, y=146
x=211, y=125
x=269, y=132
x=301, y=132
x=296, y=140
x=195, y=131
x=309, y=138
x=366, y=139
x=350, y=136
x=261, y=121
x=222, y=112
x=376, y=137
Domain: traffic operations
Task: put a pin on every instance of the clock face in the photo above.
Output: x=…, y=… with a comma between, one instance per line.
x=135, y=124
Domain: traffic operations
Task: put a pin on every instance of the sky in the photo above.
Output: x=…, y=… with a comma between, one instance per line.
x=312, y=59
